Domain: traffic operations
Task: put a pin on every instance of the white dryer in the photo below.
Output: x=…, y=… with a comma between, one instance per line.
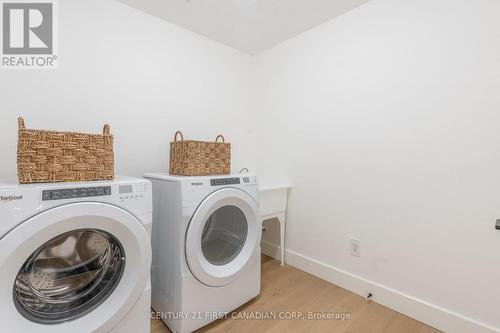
x=76, y=257
x=206, y=247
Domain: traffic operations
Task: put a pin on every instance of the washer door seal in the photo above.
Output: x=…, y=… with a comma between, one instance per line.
x=69, y=276
x=25, y=240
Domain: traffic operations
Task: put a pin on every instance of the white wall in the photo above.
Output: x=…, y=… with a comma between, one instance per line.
x=387, y=122
x=143, y=76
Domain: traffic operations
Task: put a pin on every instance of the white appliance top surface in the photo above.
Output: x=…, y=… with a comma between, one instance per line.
x=19, y=202
x=168, y=177
x=13, y=183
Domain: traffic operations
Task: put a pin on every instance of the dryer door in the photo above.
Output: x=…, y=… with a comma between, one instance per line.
x=78, y=267
x=223, y=234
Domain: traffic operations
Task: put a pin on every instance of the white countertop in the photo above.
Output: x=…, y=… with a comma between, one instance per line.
x=265, y=187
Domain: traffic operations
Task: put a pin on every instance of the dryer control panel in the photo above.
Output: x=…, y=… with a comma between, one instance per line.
x=224, y=181
x=193, y=190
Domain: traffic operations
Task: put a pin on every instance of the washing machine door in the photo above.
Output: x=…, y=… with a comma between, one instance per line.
x=75, y=268
x=222, y=236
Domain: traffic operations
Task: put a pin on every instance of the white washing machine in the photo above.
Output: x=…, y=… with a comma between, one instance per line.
x=76, y=257
x=206, y=247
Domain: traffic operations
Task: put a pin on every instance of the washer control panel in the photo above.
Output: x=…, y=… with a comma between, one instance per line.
x=74, y=193
x=131, y=192
x=134, y=195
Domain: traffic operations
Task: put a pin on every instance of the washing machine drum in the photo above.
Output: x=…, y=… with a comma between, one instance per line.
x=69, y=276
x=223, y=236
x=79, y=267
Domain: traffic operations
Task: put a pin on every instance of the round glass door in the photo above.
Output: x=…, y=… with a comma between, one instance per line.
x=69, y=276
x=224, y=235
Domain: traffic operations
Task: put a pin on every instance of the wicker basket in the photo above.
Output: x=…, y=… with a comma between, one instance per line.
x=199, y=158
x=50, y=156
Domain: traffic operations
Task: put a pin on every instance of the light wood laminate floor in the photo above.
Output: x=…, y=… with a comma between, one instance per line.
x=286, y=289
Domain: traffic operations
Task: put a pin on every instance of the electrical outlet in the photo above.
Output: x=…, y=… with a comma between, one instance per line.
x=355, y=247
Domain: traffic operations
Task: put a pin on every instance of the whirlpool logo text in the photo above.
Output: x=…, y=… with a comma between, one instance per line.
x=10, y=198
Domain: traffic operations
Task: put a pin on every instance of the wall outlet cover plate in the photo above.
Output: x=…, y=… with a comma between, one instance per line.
x=355, y=247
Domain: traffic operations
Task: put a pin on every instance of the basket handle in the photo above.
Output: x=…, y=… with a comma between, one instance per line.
x=106, y=130
x=220, y=136
x=178, y=133
x=20, y=123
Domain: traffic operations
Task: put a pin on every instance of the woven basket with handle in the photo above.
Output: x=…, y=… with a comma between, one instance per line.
x=199, y=158
x=51, y=156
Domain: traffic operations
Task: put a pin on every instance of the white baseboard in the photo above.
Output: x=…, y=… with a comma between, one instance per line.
x=270, y=249
x=420, y=310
